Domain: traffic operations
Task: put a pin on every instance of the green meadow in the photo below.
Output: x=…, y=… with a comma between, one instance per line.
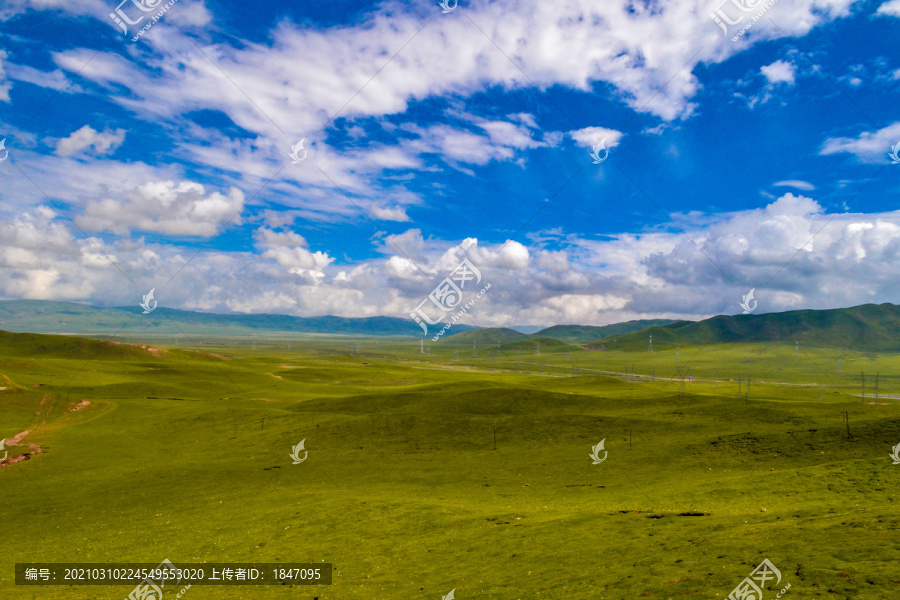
x=463, y=469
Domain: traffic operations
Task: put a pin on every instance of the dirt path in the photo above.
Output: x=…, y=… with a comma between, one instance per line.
x=14, y=441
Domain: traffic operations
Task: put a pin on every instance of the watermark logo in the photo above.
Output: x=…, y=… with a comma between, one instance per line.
x=5, y=151
x=448, y=7
x=595, y=154
x=735, y=13
x=751, y=587
x=895, y=149
x=296, y=452
x=123, y=20
x=151, y=588
x=595, y=452
x=148, y=304
x=5, y=452
x=746, y=302
x=895, y=455
x=448, y=295
x=296, y=158
x=449, y=596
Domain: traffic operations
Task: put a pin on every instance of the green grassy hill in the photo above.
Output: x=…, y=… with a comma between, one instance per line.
x=427, y=473
x=870, y=327
x=487, y=335
x=580, y=334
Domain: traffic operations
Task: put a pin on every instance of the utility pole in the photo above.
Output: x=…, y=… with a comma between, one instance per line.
x=682, y=372
x=677, y=353
x=474, y=351
x=651, y=344
x=876, y=387
x=538, y=348
x=796, y=347
x=422, y=346
x=748, y=388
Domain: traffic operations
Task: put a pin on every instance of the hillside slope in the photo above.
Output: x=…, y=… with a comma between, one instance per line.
x=869, y=327
x=580, y=334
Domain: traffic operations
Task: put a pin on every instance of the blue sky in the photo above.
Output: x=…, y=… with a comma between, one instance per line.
x=734, y=162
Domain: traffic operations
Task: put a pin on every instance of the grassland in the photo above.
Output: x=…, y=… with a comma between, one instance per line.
x=466, y=468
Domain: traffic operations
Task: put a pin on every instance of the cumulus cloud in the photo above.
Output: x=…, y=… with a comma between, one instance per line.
x=791, y=251
x=179, y=209
x=289, y=249
x=591, y=136
x=86, y=138
x=779, y=71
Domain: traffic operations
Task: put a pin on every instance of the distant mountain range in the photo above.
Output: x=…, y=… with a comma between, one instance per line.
x=869, y=327
x=44, y=316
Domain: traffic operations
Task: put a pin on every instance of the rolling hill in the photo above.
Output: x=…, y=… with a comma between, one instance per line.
x=869, y=327
x=580, y=334
x=487, y=335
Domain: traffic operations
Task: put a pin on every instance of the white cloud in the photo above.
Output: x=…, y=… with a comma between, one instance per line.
x=795, y=183
x=642, y=51
x=55, y=80
x=5, y=85
x=637, y=51
x=591, y=136
x=389, y=214
x=289, y=249
x=87, y=137
x=268, y=238
x=870, y=147
x=779, y=72
x=844, y=259
x=490, y=140
x=890, y=8
x=179, y=209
